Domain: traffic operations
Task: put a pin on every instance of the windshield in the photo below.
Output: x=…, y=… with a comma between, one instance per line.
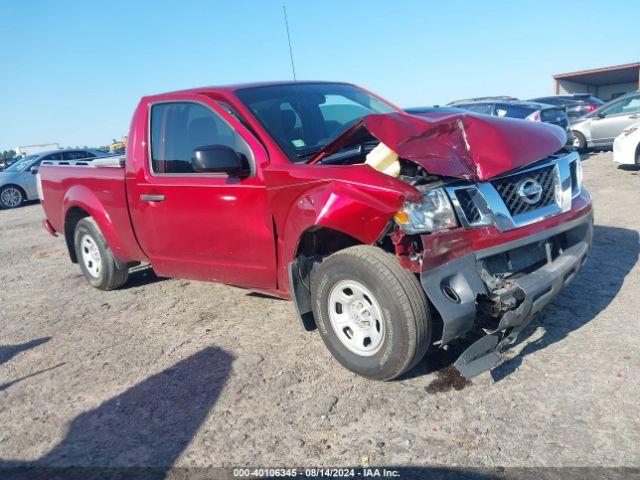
x=21, y=165
x=302, y=118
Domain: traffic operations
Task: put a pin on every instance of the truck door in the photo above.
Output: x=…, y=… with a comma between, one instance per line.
x=204, y=226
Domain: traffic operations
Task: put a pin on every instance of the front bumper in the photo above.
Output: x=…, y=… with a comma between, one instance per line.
x=624, y=150
x=502, y=288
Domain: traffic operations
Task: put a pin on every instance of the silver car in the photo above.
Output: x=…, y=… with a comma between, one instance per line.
x=600, y=127
x=18, y=182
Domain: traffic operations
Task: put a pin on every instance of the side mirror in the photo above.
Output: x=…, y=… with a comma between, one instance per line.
x=33, y=170
x=601, y=114
x=219, y=159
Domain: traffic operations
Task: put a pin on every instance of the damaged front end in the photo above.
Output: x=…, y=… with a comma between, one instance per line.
x=510, y=224
x=501, y=289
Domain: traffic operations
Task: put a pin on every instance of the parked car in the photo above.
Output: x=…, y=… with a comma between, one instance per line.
x=7, y=162
x=577, y=105
x=495, y=98
x=18, y=182
x=434, y=109
x=536, y=112
x=392, y=233
x=626, y=146
x=600, y=127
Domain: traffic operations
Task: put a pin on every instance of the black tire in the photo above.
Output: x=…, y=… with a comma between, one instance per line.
x=580, y=142
x=403, y=303
x=112, y=273
x=17, y=191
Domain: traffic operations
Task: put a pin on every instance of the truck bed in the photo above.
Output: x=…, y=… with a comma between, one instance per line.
x=96, y=188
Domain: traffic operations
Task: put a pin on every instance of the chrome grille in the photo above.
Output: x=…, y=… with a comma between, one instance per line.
x=497, y=202
x=507, y=188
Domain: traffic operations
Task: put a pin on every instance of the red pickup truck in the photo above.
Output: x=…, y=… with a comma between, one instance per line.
x=392, y=233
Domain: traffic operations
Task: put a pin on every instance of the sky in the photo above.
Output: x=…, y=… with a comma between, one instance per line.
x=73, y=71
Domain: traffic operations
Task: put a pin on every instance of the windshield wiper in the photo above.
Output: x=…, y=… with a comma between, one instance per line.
x=309, y=151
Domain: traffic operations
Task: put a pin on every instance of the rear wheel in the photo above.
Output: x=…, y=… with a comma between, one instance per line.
x=372, y=314
x=579, y=142
x=11, y=196
x=97, y=262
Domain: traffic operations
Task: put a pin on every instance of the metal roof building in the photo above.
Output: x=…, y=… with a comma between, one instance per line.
x=604, y=83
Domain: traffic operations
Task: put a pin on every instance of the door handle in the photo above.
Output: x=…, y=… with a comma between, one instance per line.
x=634, y=116
x=152, y=198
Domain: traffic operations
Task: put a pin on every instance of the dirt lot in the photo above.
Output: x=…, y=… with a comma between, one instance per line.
x=186, y=373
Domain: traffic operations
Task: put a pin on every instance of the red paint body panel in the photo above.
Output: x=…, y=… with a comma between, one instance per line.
x=356, y=200
x=98, y=191
x=246, y=231
x=473, y=147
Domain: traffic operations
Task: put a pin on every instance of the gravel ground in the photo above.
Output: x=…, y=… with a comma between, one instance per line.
x=173, y=372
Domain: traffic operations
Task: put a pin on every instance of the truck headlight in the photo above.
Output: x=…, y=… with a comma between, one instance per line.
x=433, y=214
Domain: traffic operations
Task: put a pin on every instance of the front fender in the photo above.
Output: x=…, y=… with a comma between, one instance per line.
x=362, y=212
x=82, y=197
x=584, y=128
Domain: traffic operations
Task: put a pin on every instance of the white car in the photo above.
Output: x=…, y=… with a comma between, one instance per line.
x=626, y=146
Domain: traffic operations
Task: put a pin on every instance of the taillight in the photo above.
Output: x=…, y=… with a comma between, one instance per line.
x=534, y=117
x=590, y=107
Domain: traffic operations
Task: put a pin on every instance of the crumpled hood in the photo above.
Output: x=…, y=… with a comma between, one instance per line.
x=473, y=147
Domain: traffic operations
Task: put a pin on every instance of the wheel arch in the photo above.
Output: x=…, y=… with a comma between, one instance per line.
x=71, y=219
x=323, y=221
x=314, y=244
x=80, y=202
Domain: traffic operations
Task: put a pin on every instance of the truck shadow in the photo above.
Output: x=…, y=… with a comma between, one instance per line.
x=614, y=253
x=142, y=275
x=139, y=433
x=593, y=289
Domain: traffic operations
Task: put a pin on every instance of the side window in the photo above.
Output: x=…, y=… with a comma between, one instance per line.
x=513, y=111
x=75, y=155
x=623, y=107
x=53, y=156
x=632, y=106
x=613, y=109
x=179, y=128
x=484, y=108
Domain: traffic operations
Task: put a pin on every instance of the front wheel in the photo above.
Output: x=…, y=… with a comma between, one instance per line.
x=97, y=262
x=579, y=142
x=372, y=314
x=11, y=197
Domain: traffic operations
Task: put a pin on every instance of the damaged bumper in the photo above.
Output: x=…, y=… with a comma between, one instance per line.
x=482, y=289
